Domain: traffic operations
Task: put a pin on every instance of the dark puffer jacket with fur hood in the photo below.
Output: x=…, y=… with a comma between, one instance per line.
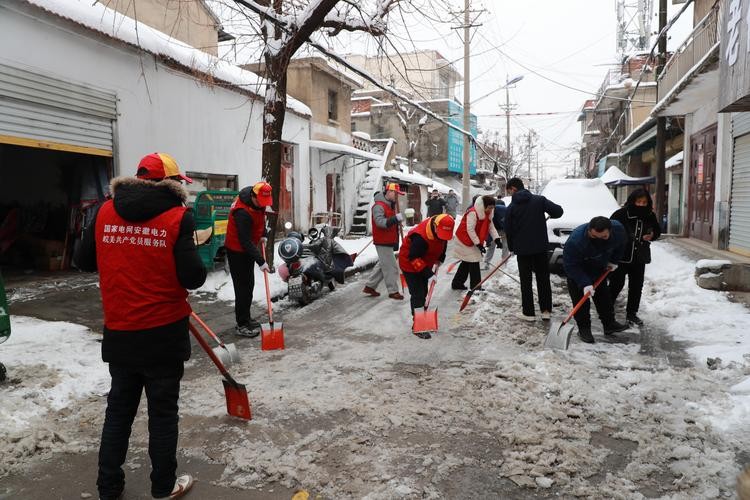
x=139, y=200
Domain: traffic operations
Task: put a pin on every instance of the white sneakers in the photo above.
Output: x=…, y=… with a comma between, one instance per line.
x=546, y=316
x=181, y=486
x=530, y=319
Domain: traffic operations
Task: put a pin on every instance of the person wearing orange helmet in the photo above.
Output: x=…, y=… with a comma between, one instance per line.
x=141, y=241
x=246, y=230
x=385, y=234
x=421, y=254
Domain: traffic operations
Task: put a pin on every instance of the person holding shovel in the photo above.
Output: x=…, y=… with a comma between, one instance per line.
x=246, y=229
x=590, y=250
x=474, y=228
x=526, y=231
x=141, y=241
x=421, y=254
x=385, y=235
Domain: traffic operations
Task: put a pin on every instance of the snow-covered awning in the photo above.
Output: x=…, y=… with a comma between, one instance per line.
x=344, y=150
x=415, y=178
x=674, y=160
x=616, y=177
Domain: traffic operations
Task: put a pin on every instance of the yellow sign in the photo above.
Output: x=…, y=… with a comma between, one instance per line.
x=220, y=227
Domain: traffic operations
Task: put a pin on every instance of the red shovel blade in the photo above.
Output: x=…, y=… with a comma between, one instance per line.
x=238, y=404
x=271, y=336
x=425, y=321
x=403, y=282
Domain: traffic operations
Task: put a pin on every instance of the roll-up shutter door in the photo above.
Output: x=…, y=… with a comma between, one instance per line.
x=739, y=212
x=40, y=111
x=740, y=124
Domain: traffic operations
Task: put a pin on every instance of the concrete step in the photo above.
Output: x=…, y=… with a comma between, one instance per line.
x=358, y=229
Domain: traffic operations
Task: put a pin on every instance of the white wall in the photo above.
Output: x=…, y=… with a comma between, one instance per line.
x=206, y=128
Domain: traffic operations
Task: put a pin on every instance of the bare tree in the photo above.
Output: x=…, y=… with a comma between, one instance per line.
x=285, y=26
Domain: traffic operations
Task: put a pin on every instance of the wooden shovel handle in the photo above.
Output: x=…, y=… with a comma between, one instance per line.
x=586, y=296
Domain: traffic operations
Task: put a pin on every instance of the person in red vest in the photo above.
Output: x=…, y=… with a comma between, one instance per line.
x=385, y=234
x=246, y=230
x=421, y=254
x=141, y=241
x=471, y=234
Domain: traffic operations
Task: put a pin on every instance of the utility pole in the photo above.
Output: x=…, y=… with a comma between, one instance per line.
x=529, y=154
x=537, y=172
x=465, y=194
x=508, y=108
x=661, y=122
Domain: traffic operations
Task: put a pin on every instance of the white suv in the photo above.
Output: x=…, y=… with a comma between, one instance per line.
x=582, y=200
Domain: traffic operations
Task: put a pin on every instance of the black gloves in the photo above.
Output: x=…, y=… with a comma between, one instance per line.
x=482, y=250
x=499, y=242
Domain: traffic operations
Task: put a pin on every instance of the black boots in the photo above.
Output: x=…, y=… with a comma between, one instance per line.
x=584, y=333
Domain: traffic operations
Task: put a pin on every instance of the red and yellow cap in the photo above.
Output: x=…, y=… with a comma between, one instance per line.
x=444, y=225
x=158, y=166
x=392, y=186
x=263, y=193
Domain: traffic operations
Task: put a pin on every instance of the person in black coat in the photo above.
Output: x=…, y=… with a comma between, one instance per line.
x=642, y=228
x=526, y=231
x=435, y=204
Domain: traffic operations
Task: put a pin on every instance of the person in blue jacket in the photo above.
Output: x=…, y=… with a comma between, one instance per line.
x=590, y=250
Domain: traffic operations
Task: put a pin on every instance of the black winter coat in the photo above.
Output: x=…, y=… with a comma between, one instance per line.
x=526, y=224
x=434, y=206
x=139, y=200
x=637, y=250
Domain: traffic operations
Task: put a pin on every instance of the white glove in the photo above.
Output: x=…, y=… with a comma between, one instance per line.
x=264, y=268
x=589, y=289
x=435, y=269
x=611, y=267
x=433, y=279
x=400, y=217
x=263, y=240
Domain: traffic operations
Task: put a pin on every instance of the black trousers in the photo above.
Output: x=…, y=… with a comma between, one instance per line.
x=242, y=269
x=417, y=284
x=635, y=272
x=162, y=385
x=467, y=269
x=539, y=265
x=602, y=300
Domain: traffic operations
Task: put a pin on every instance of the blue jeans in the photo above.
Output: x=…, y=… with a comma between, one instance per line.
x=162, y=385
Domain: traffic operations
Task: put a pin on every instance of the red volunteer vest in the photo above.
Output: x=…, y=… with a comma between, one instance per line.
x=387, y=236
x=482, y=229
x=232, y=240
x=137, y=272
x=435, y=248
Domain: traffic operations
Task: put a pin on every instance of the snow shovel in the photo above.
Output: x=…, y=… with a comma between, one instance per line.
x=478, y=285
x=238, y=404
x=227, y=353
x=426, y=321
x=559, y=332
x=271, y=335
x=357, y=254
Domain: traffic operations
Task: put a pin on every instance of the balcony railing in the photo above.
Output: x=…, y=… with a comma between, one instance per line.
x=701, y=41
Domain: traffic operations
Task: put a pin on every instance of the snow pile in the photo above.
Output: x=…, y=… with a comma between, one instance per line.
x=712, y=264
x=109, y=22
x=52, y=366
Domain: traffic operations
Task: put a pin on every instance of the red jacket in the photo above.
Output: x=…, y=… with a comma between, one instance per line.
x=232, y=240
x=435, y=248
x=482, y=229
x=137, y=272
x=388, y=236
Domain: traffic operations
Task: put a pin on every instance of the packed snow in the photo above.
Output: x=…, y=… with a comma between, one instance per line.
x=355, y=406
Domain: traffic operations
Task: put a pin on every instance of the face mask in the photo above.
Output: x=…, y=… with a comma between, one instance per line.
x=639, y=211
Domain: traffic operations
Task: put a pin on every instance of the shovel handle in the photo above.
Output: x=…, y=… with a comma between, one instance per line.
x=210, y=352
x=585, y=297
x=208, y=330
x=268, y=289
x=429, y=294
x=363, y=248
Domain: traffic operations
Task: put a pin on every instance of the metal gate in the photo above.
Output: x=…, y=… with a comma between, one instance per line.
x=41, y=111
x=739, y=208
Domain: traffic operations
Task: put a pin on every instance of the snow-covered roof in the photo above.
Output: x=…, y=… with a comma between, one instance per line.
x=616, y=177
x=335, y=147
x=415, y=178
x=361, y=135
x=97, y=17
x=674, y=160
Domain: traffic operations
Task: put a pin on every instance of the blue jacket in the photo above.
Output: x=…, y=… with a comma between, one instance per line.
x=526, y=225
x=585, y=259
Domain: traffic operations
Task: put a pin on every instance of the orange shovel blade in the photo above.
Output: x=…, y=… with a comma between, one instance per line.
x=238, y=404
x=271, y=336
x=425, y=321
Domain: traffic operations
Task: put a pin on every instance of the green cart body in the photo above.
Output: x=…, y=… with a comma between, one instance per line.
x=211, y=210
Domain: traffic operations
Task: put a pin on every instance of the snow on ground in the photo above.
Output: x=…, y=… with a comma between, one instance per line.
x=51, y=366
x=356, y=407
x=220, y=283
